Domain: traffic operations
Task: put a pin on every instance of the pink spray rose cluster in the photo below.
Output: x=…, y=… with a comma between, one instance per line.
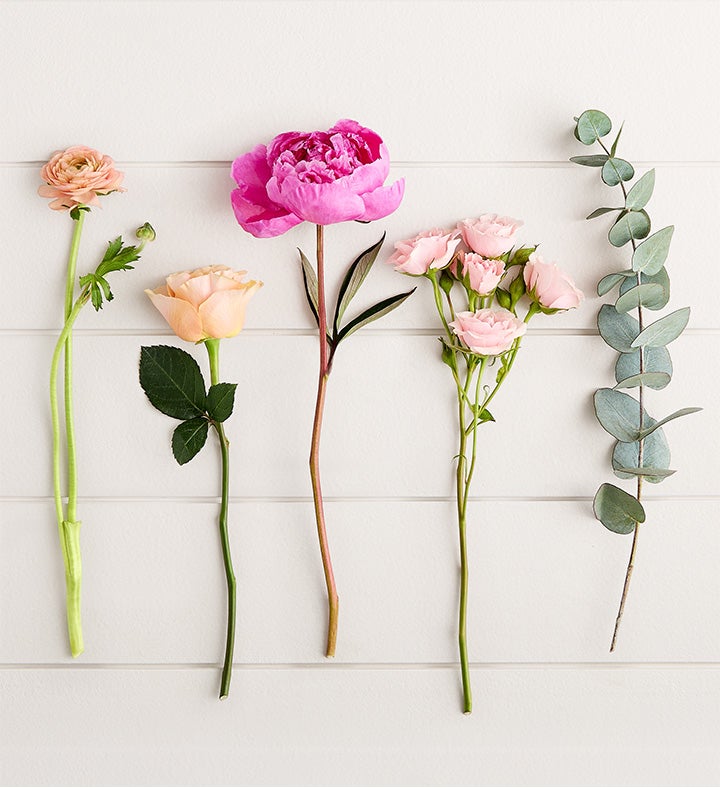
x=488, y=332
x=207, y=303
x=549, y=286
x=77, y=176
x=323, y=177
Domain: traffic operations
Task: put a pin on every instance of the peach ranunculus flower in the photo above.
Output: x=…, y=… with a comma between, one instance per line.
x=549, y=286
x=431, y=249
x=207, y=303
x=77, y=176
x=484, y=273
x=490, y=234
x=488, y=332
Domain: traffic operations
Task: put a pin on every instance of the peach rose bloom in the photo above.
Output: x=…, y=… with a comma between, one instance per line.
x=431, y=249
x=551, y=287
x=490, y=234
x=488, y=332
x=484, y=274
x=77, y=176
x=207, y=303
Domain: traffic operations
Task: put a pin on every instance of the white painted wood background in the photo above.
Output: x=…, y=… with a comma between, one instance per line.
x=475, y=101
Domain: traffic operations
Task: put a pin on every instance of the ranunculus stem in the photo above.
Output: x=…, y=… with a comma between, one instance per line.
x=324, y=372
x=68, y=528
x=213, y=349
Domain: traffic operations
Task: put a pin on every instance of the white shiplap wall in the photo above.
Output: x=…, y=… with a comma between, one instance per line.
x=475, y=101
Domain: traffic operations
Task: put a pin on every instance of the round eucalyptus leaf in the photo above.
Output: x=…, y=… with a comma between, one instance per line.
x=592, y=125
x=640, y=194
x=660, y=278
x=617, y=510
x=606, y=284
x=633, y=225
x=656, y=454
x=656, y=360
x=619, y=414
x=651, y=254
x=616, y=170
x=663, y=331
x=654, y=380
x=650, y=295
x=619, y=331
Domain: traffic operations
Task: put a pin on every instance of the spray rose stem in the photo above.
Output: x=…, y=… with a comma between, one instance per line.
x=213, y=349
x=324, y=373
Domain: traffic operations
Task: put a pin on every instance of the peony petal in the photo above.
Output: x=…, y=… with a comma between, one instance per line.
x=382, y=201
x=223, y=314
x=180, y=315
x=319, y=203
x=261, y=222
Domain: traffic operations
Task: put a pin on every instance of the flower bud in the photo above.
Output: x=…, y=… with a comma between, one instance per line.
x=146, y=232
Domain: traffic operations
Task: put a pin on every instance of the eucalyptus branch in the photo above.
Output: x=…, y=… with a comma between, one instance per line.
x=641, y=451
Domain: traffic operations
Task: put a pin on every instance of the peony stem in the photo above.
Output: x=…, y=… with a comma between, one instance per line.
x=68, y=529
x=213, y=349
x=324, y=372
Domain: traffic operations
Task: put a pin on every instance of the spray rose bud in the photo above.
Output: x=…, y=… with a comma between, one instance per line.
x=77, y=176
x=207, y=303
x=549, y=286
x=490, y=235
x=488, y=332
x=483, y=273
x=431, y=249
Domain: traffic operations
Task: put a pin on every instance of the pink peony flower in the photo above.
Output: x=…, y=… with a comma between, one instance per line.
x=431, y=249
x=551, y=287
x=77, y=176
x=488, y=332
x=484, y=274
x=490, y=235
x=322, y=177
x=207, y=303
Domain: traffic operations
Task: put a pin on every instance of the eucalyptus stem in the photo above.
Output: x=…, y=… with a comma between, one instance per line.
x=68, y=528
x=213, y=349
x=324, y=373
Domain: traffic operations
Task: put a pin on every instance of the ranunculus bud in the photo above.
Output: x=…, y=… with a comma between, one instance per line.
x=146, y=232
x=431, y=249
x=549, y=286
x=490, y=235
x=207, y=303
x=77, y=176
x=483, y=273
x=488, y=332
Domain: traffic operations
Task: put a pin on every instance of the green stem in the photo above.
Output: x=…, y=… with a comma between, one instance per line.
x=68, y=528
x=432, y=275
x=213, y=349
x=68, y=384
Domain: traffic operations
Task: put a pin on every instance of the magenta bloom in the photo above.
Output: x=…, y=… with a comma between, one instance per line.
x=323, y=177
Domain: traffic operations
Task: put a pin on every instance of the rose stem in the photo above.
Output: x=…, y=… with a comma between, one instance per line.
x=333, y=601
x=213, y=349
x=69, y=530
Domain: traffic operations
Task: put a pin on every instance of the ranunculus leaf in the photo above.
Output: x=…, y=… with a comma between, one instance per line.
x=630, y=225
x=663, y=331
x=615, y=171
x=606, y=284
x=676, y=415
x=373, y=313
x=617, y=510
x=660, y=278
x=592, y=125
x=220, y=401
x=188, y=438
x=590, y=161
x=651, y=254
x=310, y=284
x=619, y=331
x=650, y=295
x=172, y=381
x=601, y=212
x=353, y=278
x=654, y=380
x=640, y=194
x=656, y=454
x=619, y=414
x=656, y=360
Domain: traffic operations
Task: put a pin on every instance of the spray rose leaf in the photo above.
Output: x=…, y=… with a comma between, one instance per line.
x=188, y=438
x=220, y=401
x=172, y=381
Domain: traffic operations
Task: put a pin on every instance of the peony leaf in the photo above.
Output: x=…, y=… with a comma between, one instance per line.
x=310, y=284
x=354, y=277
x=615, y=171
x=632, y=225
x=172, y=381
x=590, y=161
x=656, y=360
x=663, y=331
x=188, y=438
x=373, y=313
x=619, y=331
x=651, y=254
x=617, y=510
x=640, y=194
x=619, y=414
x=678, y=413
x=220, y=401
x=650, y=295
x=656, y=454
x=592, y=125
